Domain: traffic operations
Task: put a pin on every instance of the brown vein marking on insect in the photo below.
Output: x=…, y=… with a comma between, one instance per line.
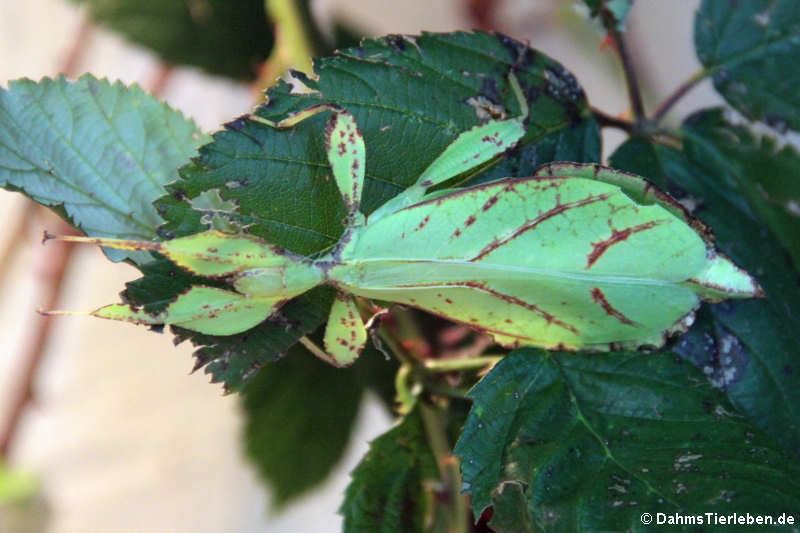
x=532, y=223
x=467, y=223
x=490, y=202
x=422, y=223
x=600, y=298
x=600, y=247
x=548, y=317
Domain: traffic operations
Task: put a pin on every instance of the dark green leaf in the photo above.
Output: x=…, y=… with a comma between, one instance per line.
x=595, y=441
x=97, y=153
x=411, y=97
x=749, y=348
x=220, y=36
x=755, y=169
x=388, y=491
x=751, y=50
x=299, y=415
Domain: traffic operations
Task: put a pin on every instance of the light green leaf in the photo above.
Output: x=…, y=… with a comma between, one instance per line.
x=388, y=491
x=751, y=50
x=596, y=441
x=750, y=348
x=98, y=152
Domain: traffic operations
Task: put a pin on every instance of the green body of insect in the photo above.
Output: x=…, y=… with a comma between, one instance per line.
x=576, y=256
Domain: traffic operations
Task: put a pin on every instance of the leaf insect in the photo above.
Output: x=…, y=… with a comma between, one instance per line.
x=574, y=257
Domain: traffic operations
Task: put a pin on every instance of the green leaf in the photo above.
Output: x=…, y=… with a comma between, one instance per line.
x=751, y=50
x=596, y=441
x=96, y=152
x=411, y=97
x=299, y=416
x=222, y=37
x=759, y=171
x=392, y=486
x=749, y=348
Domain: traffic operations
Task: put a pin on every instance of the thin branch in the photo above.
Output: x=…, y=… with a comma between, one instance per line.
x=449, y=470
x=634, y=92
x=53, y=263
x=672, y=99
x=607, y=121
x=77, y=50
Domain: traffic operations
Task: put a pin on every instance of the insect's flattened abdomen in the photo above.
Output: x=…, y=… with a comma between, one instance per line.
x=560, y=224
x=550, y=261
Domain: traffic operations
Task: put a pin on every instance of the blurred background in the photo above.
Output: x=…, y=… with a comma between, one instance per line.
x=119, y=435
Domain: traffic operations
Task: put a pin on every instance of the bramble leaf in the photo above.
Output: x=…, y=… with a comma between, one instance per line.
x=299, y=414
x=751, y=50
x=748, y=348
x=593, y=442
x=219, y=36
x=100, y=152
x=388, y=488
x=411, y=97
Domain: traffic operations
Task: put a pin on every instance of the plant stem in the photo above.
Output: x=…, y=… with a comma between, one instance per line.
x=458, y=521
x=451, y=365
x=634, y=92
x=52, y=268
x=607, y=121
x=684, y=88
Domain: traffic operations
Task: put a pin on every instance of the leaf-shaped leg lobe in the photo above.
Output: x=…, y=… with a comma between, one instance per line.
x=345, y=334
x=346, y=155
x=204, y=309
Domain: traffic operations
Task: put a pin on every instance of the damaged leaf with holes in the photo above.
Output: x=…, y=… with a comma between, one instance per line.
x=570, y=442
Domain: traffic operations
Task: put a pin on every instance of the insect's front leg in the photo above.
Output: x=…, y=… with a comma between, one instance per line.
x=469, y=150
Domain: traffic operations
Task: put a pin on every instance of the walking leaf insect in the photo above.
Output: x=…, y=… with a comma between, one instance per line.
x=574, y=257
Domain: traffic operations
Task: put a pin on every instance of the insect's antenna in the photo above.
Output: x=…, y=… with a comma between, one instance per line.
x=516, y=88
x=54, y=312
x=120, y=244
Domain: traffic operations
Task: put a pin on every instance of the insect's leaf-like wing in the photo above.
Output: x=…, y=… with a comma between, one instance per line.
x=548, y=260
